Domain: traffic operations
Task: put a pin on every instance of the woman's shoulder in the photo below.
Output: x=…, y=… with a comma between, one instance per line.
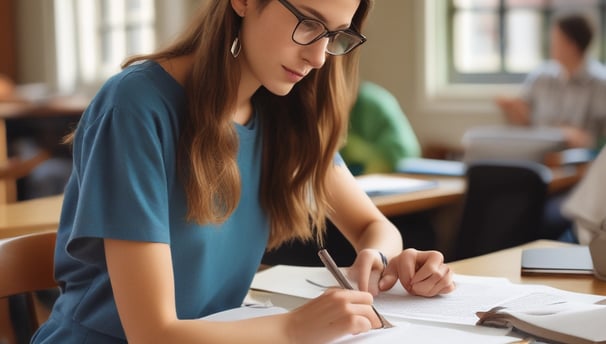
x=146, y=80
x=143, y=91
x=141, y=85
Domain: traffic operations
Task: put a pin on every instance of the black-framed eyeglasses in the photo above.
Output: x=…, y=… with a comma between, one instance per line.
x=309, y=30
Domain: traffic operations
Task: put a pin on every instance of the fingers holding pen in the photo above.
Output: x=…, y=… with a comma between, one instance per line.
x=335, y=313
x=353, y=304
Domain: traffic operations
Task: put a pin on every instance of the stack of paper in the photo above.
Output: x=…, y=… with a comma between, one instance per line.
x=452, y=315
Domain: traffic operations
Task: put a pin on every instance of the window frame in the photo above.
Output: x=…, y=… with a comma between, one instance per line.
x=503, y=76
x=79, y=26
x=437, y=94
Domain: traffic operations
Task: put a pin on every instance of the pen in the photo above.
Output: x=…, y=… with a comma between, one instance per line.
x=330, y=264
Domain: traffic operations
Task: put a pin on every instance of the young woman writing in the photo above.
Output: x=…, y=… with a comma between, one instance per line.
x=193, y=161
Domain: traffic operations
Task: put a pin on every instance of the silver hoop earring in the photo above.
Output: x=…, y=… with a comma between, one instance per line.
x=236, y=47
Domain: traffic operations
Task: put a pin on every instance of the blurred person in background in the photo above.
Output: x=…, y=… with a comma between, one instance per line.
x=568, y=90
x=379, y=134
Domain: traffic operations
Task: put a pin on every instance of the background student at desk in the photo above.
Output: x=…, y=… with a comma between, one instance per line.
x=567, y=92
x=192, y=161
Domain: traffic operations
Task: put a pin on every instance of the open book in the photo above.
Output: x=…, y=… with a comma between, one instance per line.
x=571, y=323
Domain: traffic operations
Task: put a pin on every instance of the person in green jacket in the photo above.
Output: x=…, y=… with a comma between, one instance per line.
x=379, y=133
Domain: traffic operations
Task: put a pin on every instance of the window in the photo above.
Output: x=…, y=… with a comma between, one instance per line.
x=499, y=41
x=93, y=37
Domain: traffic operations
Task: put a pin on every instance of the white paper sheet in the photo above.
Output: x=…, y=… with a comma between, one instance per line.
x=472, y=294
x=405, y=331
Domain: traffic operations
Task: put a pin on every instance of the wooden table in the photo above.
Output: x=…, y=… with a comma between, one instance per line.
x=506, y=263
x=43, y=213
x=72, y=106
x=451, y=190
x=31, y=216
x=448, y=191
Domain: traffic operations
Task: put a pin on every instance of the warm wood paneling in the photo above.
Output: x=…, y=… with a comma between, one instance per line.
x=8, y=55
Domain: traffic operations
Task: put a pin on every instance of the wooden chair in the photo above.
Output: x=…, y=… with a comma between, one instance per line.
x=26, y=266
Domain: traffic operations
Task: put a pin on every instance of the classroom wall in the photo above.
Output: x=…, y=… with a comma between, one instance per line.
x=393, y=57
x=34, y=33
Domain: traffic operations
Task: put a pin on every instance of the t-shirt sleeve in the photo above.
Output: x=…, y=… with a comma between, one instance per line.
x=122, y=179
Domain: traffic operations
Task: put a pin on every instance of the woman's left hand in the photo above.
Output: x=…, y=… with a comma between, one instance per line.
x=421, y=273
x=367, y=270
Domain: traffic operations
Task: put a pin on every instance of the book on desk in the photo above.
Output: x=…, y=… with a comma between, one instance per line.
x=385, y=184
x=431, y=167
x=557, y=260
x=561, y=322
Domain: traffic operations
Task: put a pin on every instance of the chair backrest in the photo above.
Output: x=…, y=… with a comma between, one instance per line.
x=503, y=206
x=26, y=266
x=26, y=263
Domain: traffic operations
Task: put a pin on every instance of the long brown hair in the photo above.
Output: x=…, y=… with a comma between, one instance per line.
x=301, y=131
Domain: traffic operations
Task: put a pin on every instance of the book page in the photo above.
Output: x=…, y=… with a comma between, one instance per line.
x=428, y=333
x=245, y=312
x=412, y=332
x=570, y=318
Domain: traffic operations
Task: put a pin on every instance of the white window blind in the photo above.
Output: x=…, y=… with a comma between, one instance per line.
x=93, y=37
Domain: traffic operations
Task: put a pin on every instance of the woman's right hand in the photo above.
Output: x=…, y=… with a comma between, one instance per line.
x=335, y=313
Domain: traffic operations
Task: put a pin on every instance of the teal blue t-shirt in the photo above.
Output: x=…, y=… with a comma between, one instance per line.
x=125, y=186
